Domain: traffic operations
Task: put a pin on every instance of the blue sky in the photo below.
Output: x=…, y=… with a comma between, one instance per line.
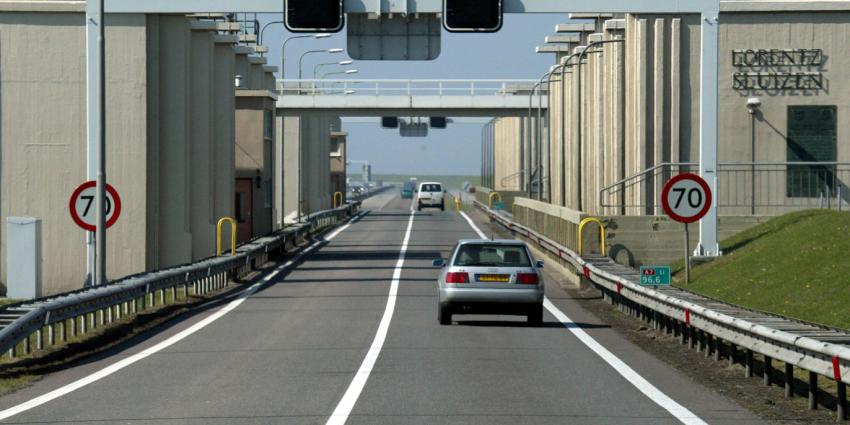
x=508, y=54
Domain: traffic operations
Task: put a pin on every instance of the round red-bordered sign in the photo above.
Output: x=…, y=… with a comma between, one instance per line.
x=87, y=221
x=684, y=184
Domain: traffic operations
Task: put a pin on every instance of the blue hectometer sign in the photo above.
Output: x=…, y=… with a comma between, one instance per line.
x=654, y=275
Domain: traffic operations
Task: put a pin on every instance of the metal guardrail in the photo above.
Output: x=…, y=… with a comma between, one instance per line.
x=391, y=87
x=745, y=188
x=819, y=349
x=71, y=313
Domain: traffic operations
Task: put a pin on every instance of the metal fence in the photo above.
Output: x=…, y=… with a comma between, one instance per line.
x=767, y=188
x=51, y=320
x=390, y=87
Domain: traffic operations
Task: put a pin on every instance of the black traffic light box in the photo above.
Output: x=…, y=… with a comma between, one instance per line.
x=389, y=122
x=438, y=122
x=472, y=15
x=314, y=15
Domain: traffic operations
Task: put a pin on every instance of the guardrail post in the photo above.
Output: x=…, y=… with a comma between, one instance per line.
x=718, y=347
x=768, y=370
x=813, y=391
x=841, y=403
x=39, y=339
x=733, y=352
x=789, y=380
x=748, y=364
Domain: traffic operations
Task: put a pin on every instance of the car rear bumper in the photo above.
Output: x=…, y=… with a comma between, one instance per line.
x=449, y=295
x=431, y=202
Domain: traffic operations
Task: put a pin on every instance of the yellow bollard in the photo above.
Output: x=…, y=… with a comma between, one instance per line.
x=490, y=199
x=601, y=233
x=458, y=204
x=341, y=199
x=232, y=235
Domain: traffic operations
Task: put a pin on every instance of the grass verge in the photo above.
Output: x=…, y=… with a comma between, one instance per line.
x=795, y=265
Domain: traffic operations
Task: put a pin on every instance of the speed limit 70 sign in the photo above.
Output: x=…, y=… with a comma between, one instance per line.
x=82, y=206
x=686, y=198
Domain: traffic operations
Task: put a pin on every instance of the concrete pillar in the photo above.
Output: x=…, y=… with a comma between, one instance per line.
x=658, y=109
x=202, y=99
x=224, y=127
x=169, y=101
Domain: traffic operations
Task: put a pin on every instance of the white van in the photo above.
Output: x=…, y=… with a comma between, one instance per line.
x=431, y=194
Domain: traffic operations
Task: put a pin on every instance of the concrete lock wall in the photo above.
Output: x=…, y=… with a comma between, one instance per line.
x=633, y=121
x=171, y=131
x=311, y=156
x=43, y=136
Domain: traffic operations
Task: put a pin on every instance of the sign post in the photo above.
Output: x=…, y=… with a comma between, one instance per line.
x=686, y=198
x=82, y=206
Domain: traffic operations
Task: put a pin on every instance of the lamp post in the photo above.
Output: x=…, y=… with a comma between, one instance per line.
x=260, y=40
x=283, y=123
x=300, y=140
x=320, y=65
x=346, y=72
x=537, y=136
x=283, y=47
x=581, y=56
x=753, y=105
x=309, y=52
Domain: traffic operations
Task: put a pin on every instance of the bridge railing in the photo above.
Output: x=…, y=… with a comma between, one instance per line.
x=395, y=87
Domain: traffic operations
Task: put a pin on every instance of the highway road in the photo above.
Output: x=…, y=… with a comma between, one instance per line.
x=348, y=334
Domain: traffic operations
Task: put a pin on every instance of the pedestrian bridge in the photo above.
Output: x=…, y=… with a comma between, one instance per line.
x=375, y=98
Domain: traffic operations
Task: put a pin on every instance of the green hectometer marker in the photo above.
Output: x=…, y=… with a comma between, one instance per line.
x=654, y=275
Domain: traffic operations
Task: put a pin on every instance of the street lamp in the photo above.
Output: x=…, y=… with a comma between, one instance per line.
x=340, y=63
x=283, y=118
x=347, y=72
x=301, y=60
x=283, y=47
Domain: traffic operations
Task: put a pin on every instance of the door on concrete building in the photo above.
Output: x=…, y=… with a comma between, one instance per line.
x=244, y=209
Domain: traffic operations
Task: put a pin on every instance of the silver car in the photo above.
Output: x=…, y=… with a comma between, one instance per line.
x=490, y=277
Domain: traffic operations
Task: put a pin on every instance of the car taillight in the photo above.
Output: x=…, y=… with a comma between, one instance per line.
x=527, y=278
x=456, y=277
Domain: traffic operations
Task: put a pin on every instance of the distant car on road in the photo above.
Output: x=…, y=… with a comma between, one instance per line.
x=431, y=194
x=490, y=277
x=407, y=190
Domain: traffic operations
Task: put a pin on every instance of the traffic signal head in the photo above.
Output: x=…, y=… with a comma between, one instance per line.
x=389, y=122
x=313, y=15
x=438, y=122
x=472, y=15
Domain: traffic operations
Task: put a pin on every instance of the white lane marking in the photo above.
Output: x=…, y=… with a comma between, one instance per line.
x=677, y=410
x=349, y=399
x=474, y=227
x=115, y=367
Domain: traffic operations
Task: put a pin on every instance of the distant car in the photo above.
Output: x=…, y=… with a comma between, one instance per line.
x=490, y=277
x=431, y=194
x=407, y=190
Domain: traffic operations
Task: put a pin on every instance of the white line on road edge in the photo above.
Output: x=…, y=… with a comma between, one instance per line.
x=115, y=367
x=677, y=410
x=346, y=404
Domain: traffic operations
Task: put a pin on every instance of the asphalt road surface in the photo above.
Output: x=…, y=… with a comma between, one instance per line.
x=349, y=334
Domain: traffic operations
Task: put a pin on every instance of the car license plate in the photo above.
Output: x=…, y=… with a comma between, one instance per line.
x=494, y=278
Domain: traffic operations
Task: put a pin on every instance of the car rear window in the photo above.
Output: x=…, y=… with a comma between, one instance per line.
x=408, y=186
x=432, y=188
x=492, y=255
